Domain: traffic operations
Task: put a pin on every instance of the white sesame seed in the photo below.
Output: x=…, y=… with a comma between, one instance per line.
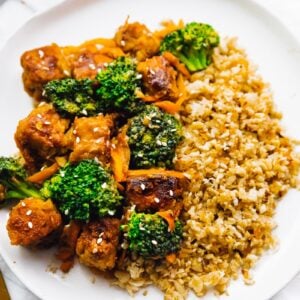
x=113, y=146
x=105, y=64
x=99, y=141
x=29, y=212
x=152, y=71
x=41, y=53
x=158, y=142
x=84, y=112
x=235, y=202
x=104, y=185
x=164, y=144
x=42, y=103
x=39, y=116
x=96, y=129
x=139, y=76
x=143, y=186
x=154, y=242
x=171, y=193
x=157, y=200
x=99, y=241
x=30, y=225
x=43, y=94
x=23, y=204
x=101, y=234
x=95, y=250
x=92, y=66
x=123, y=43
x=140, y=155
x=66, y=212
x=111, y=212
x=47, y=122
x=66, y=72
x=74, y=131
x=77, y=139
x=99, y=47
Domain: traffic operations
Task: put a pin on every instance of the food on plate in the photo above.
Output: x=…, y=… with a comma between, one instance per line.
x=34, y=222
x=97, y=245
x=155, y=155
x=150, y=235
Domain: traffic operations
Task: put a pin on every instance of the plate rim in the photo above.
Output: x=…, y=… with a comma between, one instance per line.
x=255, y=4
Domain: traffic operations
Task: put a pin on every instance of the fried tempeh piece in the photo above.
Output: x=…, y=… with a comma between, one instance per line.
x=34, y=222
x=67, y=245
x=136, y=39
x=156, y=192
x=92, y=138
x=42, y=65
x=41, y=136
x=159, y=78
x=98, y=242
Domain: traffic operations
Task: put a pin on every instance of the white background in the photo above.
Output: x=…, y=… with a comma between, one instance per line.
x=13, y=14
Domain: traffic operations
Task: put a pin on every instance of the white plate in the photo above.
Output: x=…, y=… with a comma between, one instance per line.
x=268, y=43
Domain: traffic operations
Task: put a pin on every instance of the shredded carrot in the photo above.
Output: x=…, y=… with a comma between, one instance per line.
x=149, y=172
x=174, y=61
x=169, y=217
x=100, y=41
x=44, y=174
x=120, y=156
x=168, y=27
x=168, y=106
x=61, y=160
x=171, y=258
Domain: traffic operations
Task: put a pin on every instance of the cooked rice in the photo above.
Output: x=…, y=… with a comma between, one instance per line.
x=240, y=163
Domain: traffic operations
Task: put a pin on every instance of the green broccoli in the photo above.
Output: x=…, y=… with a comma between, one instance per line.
x=72, y=97
x=149, y=235
x=13, y=181
x=153, y=137
x=118, y=84
x=193, y=45
x=83, y=191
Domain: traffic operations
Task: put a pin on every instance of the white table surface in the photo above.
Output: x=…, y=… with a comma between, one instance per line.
x=287, y=11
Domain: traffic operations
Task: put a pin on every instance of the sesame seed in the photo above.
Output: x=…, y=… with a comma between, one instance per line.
x=77, y=139
x=171, y=193
x=39, y=116
x=123, y=43
x=84, y=112
x=99, y=241
x=140, y=155
x=143, y=186
x=30, y=225
x=47, y=122
x=43, y=94
x=104, y=185
x=96, y=129
x=101, y=234
x=158, y=142
x=164, y=144
x=66, y=72
x=95, y=250
x=41, y=53
x=111, y=212
x=74, y=131
x=92, y=66
x=157, y=200
x=152, y=71
x=66, y=212
x=139, y=76
x=105, y=64
x=28, y=213
x=99, y=47
x=113, y=146
x=23, y=204
x=154, y=242
x=99, y=141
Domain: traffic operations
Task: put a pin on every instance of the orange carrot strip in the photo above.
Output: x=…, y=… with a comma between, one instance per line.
x=169, y=217
x=174, y=61
x=168, y=106
x=120, y=156
x=44, y=174
x=171, y=258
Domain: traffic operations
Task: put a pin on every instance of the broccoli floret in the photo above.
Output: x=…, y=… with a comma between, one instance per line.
x=13, y=181
x=118, y=85
x=193, y=45
x=83, y=191
x=149, y=235
x=72, y=97
x=153, y=137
